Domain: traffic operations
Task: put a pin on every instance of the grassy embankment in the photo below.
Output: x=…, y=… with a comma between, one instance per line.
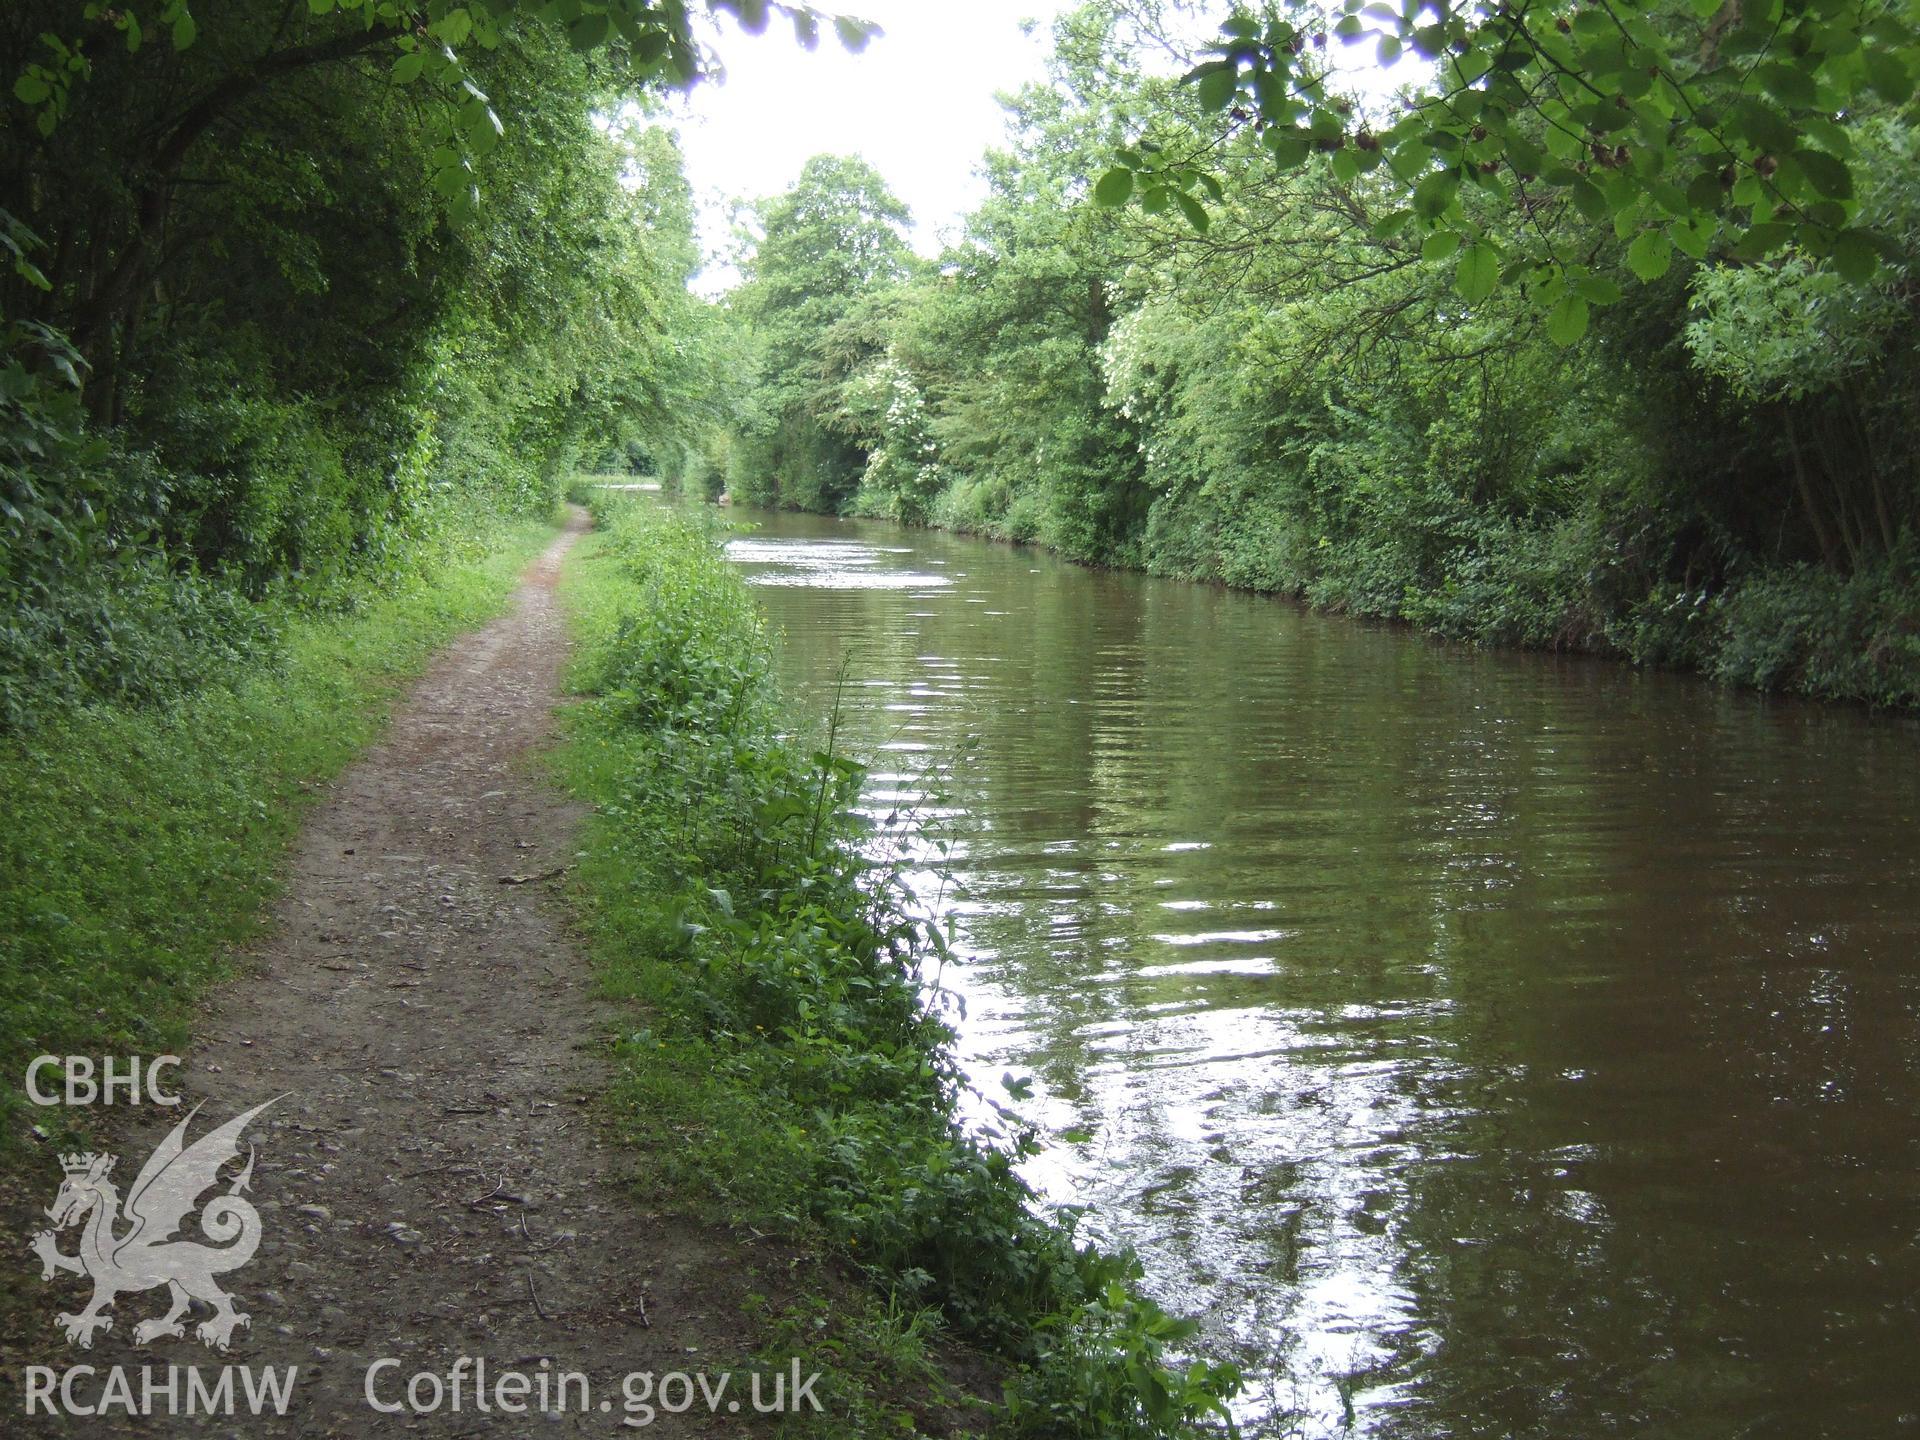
x=142, y=843
x=784, y=1071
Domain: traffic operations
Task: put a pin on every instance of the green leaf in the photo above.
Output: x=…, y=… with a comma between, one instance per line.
x=1115, y=188
x=1834, y=40
x=1669, y=197
x=1588, y=200
x=1889, y=30
x=1408, y=155
x=1705, y=192
x=1439, y=245
x=1567, y=321
x=1195, y=212
x=484, y=134
x=1650, y=255
x=320, y=7
x=1825, y=173
x=1855, y=256
x=1695, y=236
x=1889, y=76
x=1762, y=240
x=480, y=125
x=1288, y=146
x=1271, y=94
x=31, y=89
x=185, y=30
x=1763, y=125
x=589, y=32
x=1834, y=138
x=407, y=68
x=1216, y=86
x=854, y=34
x=1477, y=274
x=1434, y=193
x=1789, y=82
x=455, y=26
x=1597, y=290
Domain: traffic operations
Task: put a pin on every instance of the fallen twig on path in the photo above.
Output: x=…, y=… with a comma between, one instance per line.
x=552, y=874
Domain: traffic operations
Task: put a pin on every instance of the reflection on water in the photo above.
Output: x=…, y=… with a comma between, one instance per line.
x=828, y=565
x=1481, y=1044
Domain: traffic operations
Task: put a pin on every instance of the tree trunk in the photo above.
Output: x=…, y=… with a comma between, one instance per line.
x=1829, y=553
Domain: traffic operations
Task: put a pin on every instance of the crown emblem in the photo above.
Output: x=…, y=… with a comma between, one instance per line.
x=82, y=1164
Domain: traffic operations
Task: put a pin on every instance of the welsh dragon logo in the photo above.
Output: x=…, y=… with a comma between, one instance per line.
x=138, y=1250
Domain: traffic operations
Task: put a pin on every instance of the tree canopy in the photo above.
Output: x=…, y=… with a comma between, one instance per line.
x=1682, y=125
x=257, y=345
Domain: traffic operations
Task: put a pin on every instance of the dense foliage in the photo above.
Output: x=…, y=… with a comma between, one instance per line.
x=1668, y=120
x=1683, y=453
x=825, y=249
x=257, y=350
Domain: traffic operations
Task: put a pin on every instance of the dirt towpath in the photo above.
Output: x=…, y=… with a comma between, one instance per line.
x=437, y=1181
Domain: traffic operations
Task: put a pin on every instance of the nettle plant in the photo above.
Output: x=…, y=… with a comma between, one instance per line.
x=1722, y=127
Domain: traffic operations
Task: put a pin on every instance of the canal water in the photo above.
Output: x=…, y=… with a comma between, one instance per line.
x=1478, y=1044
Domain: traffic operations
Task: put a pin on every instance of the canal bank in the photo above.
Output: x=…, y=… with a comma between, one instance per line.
x=782, y=1072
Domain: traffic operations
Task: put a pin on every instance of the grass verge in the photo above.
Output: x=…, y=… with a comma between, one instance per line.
x=142, y=844
x=783, y=1070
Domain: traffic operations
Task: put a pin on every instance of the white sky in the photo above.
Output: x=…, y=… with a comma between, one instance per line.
x=917, y=104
